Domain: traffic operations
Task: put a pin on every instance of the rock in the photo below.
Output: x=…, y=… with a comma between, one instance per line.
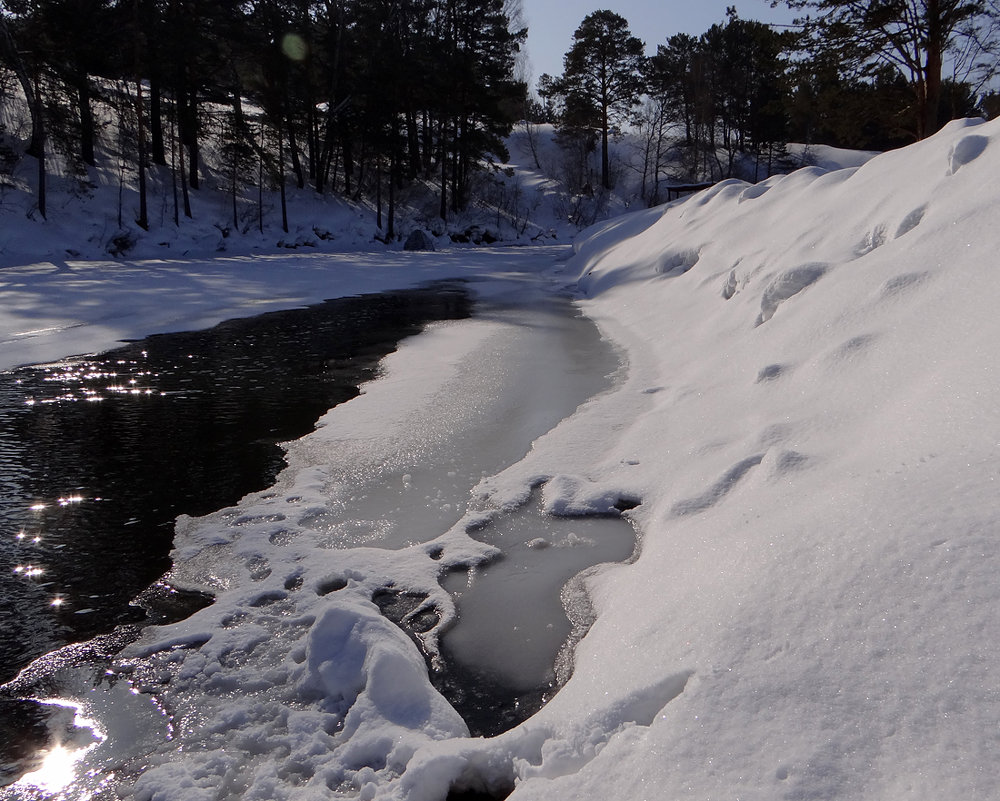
x=418, y=240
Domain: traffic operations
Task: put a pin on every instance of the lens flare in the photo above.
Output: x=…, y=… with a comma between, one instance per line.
x=294, y=47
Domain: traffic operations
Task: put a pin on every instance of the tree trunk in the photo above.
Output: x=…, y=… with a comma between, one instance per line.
x=41, y=152
x=173, y=168
x=183, y=172
x=605, y=160
x=378, y=197
x=412, y=145
x=86, y=119
x=293, y=144
x=158, y=150
x=532, y=135
x=194, y=154
x=187, y=111
x=12, y=56
x=348, y=153
x=312, y=139
x=456, y=165
x=390, y=231
x=143, y=221
x=428, y=148
x=929, y=88
x=260, y=181
x=281, y=180
x=323, y=164
x=444, y=171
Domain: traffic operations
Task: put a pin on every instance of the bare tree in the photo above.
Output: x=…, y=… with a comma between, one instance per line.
x=914, y=36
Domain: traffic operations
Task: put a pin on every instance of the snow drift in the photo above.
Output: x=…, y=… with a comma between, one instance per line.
x=817, y=451
x=810, y=421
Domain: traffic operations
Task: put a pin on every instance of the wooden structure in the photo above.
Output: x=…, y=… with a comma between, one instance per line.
x=675, y=191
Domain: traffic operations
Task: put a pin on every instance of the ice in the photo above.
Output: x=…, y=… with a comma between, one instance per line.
x=812, y=613
x=380, y=498
x=512, y=621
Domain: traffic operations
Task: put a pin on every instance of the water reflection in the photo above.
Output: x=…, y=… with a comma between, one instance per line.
x=98, y=455
x=509, y=653
x=61, y=760
x=58, y=749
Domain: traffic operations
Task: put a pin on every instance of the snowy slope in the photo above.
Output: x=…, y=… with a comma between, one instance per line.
x=814, y=613
x=810, y=419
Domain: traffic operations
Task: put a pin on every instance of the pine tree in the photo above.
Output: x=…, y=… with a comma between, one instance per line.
x=10, y=55
x=602, y=77
x=911, y=36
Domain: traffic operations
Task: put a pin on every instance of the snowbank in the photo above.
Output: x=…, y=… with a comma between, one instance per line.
x=810, y=422
x=813, y=614
x=54, y=309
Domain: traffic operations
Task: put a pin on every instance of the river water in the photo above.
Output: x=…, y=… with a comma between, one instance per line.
x=101, y=454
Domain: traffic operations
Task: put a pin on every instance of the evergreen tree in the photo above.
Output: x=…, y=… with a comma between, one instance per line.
x=602, y=77
x=670, y=79
x=747, y=57
x=910, y=36
x=10, y=56
x=729, y=89
x=870, y=113
x=367, y=95
x=65, y=43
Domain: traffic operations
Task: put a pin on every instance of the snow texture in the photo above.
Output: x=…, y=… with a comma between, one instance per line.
x=810, y=421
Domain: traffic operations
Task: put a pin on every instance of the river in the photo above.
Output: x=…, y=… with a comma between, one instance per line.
x=535, y=360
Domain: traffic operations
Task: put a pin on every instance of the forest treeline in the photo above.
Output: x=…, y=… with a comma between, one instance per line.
x=867, y=75
x=366, y=98
x=354, y=97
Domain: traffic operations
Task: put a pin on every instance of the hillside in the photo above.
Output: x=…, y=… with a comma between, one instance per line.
x=92, y=211
x=809, y=423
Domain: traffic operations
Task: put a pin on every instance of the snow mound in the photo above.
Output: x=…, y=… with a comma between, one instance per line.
x=818, y=453
x=810, y=433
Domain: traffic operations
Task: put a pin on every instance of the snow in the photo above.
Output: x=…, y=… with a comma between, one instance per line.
x=809, y=418
x=54, y=309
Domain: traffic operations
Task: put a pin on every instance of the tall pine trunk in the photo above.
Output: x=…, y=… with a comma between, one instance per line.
x=86, y=119
x=605, y=159
x=157, y=147
x=293, y=146
x=40, y=128
x=173, y=168
x=194, y=146
x=143, y=221
x=281, y=180
x=443, y=158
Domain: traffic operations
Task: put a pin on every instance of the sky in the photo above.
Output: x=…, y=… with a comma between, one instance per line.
x=551, y=23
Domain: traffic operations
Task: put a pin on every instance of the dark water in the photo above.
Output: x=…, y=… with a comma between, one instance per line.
x=99, y=455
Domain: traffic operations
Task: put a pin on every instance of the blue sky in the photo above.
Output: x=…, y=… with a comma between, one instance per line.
x=551, y=22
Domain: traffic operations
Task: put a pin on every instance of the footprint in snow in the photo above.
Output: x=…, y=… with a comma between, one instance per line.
x=966, y=150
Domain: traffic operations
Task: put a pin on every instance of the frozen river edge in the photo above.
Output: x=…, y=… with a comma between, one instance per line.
x=453, y=381
x=813, y=612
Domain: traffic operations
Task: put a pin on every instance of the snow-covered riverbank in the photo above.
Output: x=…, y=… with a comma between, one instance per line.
x=810, y=421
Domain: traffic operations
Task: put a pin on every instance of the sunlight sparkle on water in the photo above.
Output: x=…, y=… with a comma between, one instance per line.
x=89, y=382
x=60, y=765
